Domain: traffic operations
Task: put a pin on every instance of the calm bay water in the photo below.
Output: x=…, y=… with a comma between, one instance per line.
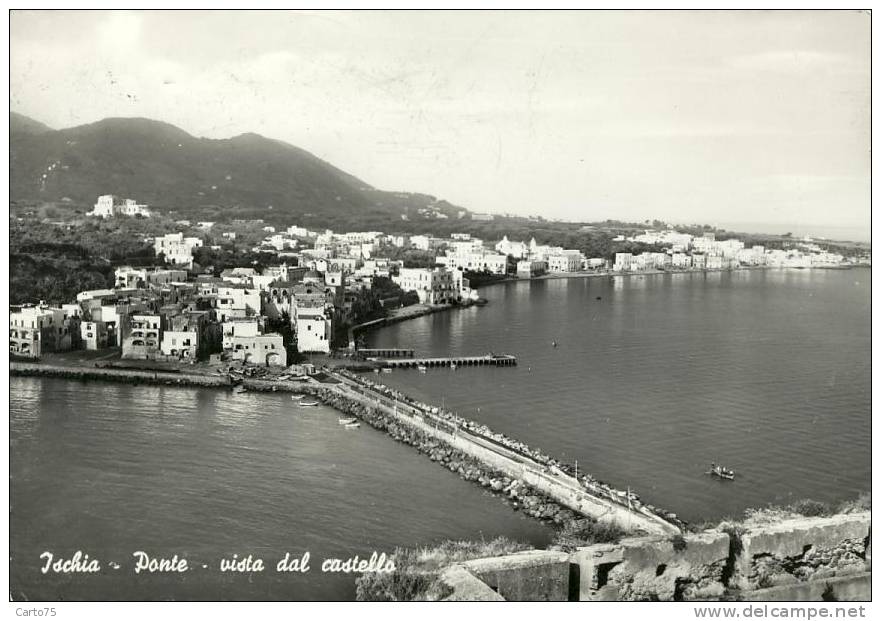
x=112, y=469
x=654, y=377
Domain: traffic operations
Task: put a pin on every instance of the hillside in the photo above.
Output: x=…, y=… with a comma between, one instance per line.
x=248, y=176
x=20, y=124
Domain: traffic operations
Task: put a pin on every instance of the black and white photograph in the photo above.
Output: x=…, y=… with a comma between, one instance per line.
x=497, y=305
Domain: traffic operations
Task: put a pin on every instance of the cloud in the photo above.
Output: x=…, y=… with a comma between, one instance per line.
x=491, y=111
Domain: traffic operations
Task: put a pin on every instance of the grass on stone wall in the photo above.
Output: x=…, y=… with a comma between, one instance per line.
x=584, y=533
x=771, y=513
x=417, y=570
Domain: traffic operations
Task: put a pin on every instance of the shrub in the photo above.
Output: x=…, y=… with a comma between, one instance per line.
x=584, y=533
x=810, y=508
x=679, y=543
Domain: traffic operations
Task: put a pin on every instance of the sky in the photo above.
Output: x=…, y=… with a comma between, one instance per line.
x=727, y=118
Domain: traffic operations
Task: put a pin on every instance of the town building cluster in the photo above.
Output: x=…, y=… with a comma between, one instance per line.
x=684, y=252
x=172, y=312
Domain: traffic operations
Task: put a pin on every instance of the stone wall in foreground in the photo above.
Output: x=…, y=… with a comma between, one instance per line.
x=804, y=559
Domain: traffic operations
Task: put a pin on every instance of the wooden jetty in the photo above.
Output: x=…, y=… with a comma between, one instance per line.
x=498, y=360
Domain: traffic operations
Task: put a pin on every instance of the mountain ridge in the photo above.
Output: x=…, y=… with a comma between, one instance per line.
x=243, y=176
x=24, y=124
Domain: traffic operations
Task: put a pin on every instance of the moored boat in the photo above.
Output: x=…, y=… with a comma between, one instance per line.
x=238, y=389
x=308, y=404
x=422, y=368
x=722, y=472
x=348, y=421
x=353, y=425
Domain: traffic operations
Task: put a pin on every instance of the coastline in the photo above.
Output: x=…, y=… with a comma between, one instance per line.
x=420, y=310
x=656, y=272
x=402, y=314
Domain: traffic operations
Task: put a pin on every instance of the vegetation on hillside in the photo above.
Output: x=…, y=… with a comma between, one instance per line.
x=247, y=176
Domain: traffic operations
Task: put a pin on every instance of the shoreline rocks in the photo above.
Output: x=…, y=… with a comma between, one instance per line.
x=518, y=495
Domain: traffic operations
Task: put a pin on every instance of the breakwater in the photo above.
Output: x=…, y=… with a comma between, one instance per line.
x=129, y=375
x=585, y=495
x=542, y=490
x=517, y=494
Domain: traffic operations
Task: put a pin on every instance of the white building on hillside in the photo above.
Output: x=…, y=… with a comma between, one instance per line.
x=127, y=277
x=177, y=249
x=519, y=250
x=109, y=206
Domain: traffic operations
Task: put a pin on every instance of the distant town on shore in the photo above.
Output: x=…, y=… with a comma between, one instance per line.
x=245, y=291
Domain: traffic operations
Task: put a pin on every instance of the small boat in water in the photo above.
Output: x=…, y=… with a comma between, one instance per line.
x=387, y=370
x=348, y=421
x=297, y=397
x=722, y=472
x=454, y=366
x=353, y=425
x=422, y=368
x=238, y=389
x=308, y=404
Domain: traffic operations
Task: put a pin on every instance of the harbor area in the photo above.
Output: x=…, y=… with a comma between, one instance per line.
x=509, y=466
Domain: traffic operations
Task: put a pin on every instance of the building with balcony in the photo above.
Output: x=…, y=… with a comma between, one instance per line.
x=476, y=260
x=565, y=261
x=142, y=336
x=37, y=330
x=433, y=286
